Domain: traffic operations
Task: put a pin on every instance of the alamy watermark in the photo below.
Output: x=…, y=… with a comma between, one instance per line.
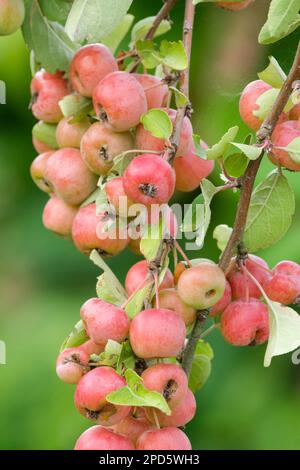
x=2, y=92
x=2, y=353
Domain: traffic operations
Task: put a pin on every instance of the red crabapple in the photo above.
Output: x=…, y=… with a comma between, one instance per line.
x=90, y=396
x=90, y=347
x=47, y=90
x=99, y=438
x=220, y=306
x=104, y=321
x=191, y=170
x=283, y=135
x=156, y=91
x=146, y=141
x=132, y=427
x=71, y=365
x=101, y=144
x=235, y=6
x=169, y=299
x=168, y=379
x=202, y=286
x=245, y=323
x=69, y=134
x=157, y=333
x=40, y=146
x=120, y=100
x=89, y=66
x=164, y=439
x=88, y=233
x=241, y=285
x=284, y=285
x=12, y=13
x=149, y=179
x=69, y=177
x=138, y=273
x=58, y=216
x=182, y=414
x=117, y=197
x=37, y=171
x=248, y=103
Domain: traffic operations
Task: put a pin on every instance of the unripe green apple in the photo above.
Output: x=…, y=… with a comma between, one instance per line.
x=12, y=13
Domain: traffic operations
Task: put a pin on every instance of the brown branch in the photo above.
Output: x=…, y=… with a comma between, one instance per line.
x=247, y=184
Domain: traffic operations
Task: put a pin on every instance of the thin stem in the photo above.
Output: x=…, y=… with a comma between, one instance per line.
x=140, y=286
x=189, y=352
x=209, y=330
x=184, y=256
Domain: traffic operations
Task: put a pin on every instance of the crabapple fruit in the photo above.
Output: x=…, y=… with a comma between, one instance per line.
x=241, y=285
x=69, y=134
x=104, y=321
x=101, y=144
x=117, y=197
x=71, y=365
x=225, y=300
x=157, y=333
x=120, y=100
x=248, y=103
x=284, y=285
x=47, y=90
x=164, y=439
x=169, y=299
x=37, y=171
x=146, y=141
x=40, y=146
x=99, y=438
x=12, y=14
x=138, y=273
x=168, y=379
x=202, y=286
x=90, y=347
x=69, y=177
x=245, y=323
x=132, y=427
x=58, y=216
x=88, y=233
x=235, y=6
x=156, y=91
x=89, y=66
x=191, y=170
x=90, y=396
x=182, y=414
x=284, y=134
x=149, y=179
x=44, y=137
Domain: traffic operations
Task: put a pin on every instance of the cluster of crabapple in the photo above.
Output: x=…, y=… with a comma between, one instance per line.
x=286, y=130
x=86, y=151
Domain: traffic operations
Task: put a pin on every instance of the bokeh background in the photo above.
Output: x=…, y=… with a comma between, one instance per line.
x=44, y=281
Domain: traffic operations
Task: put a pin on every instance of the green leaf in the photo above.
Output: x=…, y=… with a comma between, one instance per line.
x=98, y=261
x=135, y=394
x=283, y=19
x=199, y=150
x=146, y=50
x=76, y=107
x=126, y=358
x=56, y=10
x=141, y=28
x=270, y=214
x=265, y=102
x=221, y=234
x=110, y=355
x=189, y=223
x=113, y=39
x=135, y=305
x=235, y=164
x=173, y=55
x=151, y=240
x=52, y=47
x=121, y=162
x=219, y=149
x=180, y=98
x=158, y=123
x=273, y=74
x=293, y=149
x=77, y=337
x=108, y=291
x=251, y=151
x=46, y=133
x=201, y=366
x=91, y=20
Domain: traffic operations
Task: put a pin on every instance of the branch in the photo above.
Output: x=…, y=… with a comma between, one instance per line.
x=247, y=181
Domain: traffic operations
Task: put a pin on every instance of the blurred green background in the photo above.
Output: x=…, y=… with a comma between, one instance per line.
x=44, y=281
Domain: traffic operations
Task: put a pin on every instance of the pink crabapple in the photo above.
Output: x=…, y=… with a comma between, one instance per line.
x=245, y=323
x=37, y=171
x=69, y=134
x=241, y=284
x=284, y=285
x=90, y=396
x=89, y=66
x=58, y=217
x=47, y=90
x=283, y=135
x=117, y=197
x=181, y=415
x=220, y=306
x=169, y=299
x=191, y=170
x=138, y=273
x=40, y=146
x=132, y=427
x=156, y=91
x=71, y=365
x=99, y=438
x=164, y=439
x=157, y=333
